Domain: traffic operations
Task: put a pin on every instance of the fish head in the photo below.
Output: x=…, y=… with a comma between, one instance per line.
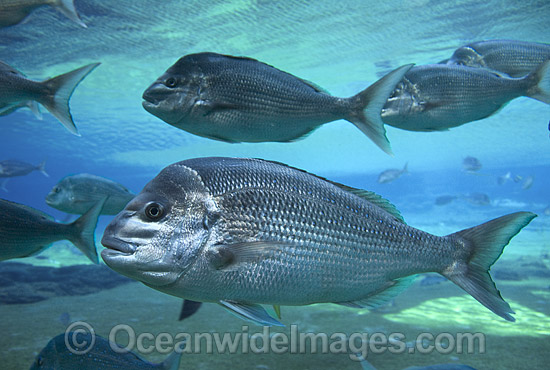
x=60, y=196
x=467, y=56
x=161, y=232
x=174, y=94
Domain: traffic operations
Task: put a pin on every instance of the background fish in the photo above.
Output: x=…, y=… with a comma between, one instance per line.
x=391, y=174
x=471, y=164
x=245, y=232
x=438, y=96
x=26, y=231
x=54, y=94
x=513, y=57
x=14, y=11
x=237, y=99
x=56, y=355
x=13, y=168
x=78, y=193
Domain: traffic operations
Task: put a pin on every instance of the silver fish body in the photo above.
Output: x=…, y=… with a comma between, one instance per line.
x=13, y=12
x=26, y=231
x=244, y=232
x=512, y=57
x=392, y=174
x=16, y=91
x=14, y=168
x=438, y=96
x=78, y=193
x=237, y=99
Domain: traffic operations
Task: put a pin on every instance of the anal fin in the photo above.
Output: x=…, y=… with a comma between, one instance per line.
x=251, y=312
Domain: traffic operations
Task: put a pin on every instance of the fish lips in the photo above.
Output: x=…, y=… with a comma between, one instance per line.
x=116, y=247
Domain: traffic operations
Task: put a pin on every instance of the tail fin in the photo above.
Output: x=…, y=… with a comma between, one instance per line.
x=67, y=8
x=541, y=90
x=62, y=88
x=369, y=104
x=487, y=241
x=82, y=231
x=172, y=362
x=42, y=168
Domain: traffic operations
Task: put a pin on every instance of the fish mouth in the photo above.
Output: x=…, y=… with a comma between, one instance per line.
x=117, y=246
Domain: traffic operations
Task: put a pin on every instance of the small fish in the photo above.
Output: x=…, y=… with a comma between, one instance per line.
x=26, y=231
x=438, y=97
x=13, y=12
x=512, y=57
x=236, y=99
x=471, y=164
x=56, y=355
x=14, y=168
x=528, y=182
x=478, y=199
x=391, y=174
x=501, y=180
x=77, y=193
x=246, y=232
x=54, y=94
x=444, y=199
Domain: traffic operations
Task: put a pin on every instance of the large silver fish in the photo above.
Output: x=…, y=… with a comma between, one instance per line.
x=439, y=96
x=78, y=193
x=512, y=57
x=245, y=232
x=16, y=91
x=237, y=99
x=26, y=231
x=14, y=11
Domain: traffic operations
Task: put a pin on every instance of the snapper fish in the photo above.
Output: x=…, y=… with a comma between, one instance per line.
x=77, y=193
x=437, y=97
x=17, y=91
x=512, y=57
x=392, y=174
x=237, y=99
x=247, y=232
x=13, y=168
x=13, y=12
x=66, y=351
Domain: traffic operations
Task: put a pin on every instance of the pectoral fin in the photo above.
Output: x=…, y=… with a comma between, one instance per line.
x=251, y=312
x=225, y=256
x=209, y=106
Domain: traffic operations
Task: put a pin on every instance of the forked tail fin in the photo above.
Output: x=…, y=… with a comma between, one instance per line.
x=82, y=231
x=369, y=103
x=486, y=242
x=62, y=88
x=541, y=89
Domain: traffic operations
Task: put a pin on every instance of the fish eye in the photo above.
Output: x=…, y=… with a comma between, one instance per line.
x=154, y=211
x=39, y=361
x=171, y=82
x=56, y=190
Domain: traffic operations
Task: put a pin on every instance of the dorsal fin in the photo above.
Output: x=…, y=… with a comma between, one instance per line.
x=314, y=86
x=370, y=196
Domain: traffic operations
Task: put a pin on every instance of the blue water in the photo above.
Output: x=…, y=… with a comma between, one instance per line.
x=341, y=46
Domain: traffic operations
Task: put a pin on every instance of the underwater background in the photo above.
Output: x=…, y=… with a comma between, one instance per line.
x=344, y=47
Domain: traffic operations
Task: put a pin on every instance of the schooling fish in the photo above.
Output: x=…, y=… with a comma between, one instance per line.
x=78, y=193
x=236, y=99
x=14, y=11
x=438, y=96
x=26, y=231
x=14, y=168
x=59, y=353
x=54, y=94
x=512, y=57
x=391, y=174
x=246, y=232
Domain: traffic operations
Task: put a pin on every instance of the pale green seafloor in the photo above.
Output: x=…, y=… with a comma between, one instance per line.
x=436, y=309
